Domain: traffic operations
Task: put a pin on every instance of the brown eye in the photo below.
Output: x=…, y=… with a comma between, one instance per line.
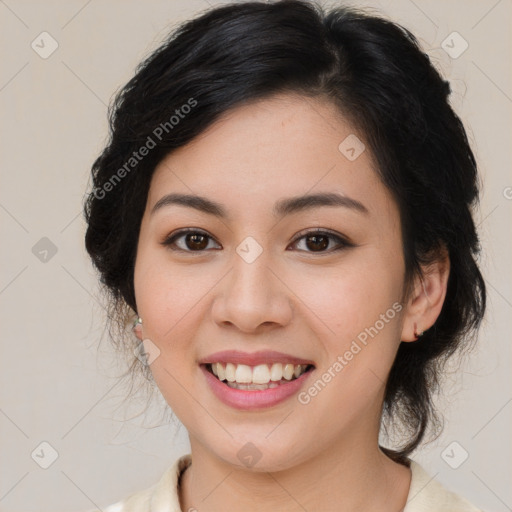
x=318, y=241
x=193, y=240
x=196, y=242
x=189, y=241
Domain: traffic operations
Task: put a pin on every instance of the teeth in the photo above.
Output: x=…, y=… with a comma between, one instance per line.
x=258, y=387
x=260, y=374
x=221, y=373
x=230, y=372
x=276, y=372
x=256, y=377
x=243, y=374
x=288, y=371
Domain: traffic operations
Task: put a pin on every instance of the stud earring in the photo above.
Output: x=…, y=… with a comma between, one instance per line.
x=417, y=334
x=137, y=322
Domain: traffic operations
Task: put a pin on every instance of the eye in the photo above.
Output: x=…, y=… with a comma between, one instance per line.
x=192, y=240
x=318, y=240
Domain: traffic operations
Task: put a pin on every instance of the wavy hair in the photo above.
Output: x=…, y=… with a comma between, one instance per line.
x=378, y=77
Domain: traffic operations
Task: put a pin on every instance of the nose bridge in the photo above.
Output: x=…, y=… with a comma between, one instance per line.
x=251, y=281
x=252, y=294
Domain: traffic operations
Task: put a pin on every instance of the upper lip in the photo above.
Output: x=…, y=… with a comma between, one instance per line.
x=253, y=358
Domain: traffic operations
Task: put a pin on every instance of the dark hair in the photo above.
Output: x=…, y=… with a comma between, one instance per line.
x=380, y=80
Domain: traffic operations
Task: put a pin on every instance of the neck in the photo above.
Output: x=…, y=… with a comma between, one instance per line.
x=344, y=477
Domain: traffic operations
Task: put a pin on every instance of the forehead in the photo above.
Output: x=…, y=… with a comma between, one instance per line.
x=282, y=146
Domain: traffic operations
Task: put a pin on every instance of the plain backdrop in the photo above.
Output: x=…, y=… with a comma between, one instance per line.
x=57, y=386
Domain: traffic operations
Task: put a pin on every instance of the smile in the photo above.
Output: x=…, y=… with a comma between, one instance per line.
x=257, y=378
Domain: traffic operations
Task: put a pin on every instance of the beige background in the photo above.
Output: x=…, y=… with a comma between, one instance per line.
x=56, y=386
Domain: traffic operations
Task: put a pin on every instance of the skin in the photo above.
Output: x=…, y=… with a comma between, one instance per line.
x=294, y=298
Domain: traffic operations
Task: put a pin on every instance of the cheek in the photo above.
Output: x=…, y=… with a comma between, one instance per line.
x=167, y=294
x=169, y=300
x=362, y=313
x=357, y=311
x=352, y=297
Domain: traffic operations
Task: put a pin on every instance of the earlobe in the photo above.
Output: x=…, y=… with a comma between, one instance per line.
x=427, y=298
x=417, y=334
x=137, y=328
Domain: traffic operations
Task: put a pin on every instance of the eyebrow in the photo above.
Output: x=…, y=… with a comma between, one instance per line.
x=281, y=208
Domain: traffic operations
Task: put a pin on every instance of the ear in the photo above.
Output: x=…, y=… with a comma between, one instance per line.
x=426, y=298
x=137, y=329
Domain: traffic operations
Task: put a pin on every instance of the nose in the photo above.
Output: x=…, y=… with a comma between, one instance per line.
x=253, y=297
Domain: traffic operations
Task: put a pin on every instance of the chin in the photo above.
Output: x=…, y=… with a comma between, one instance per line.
x=264, y=456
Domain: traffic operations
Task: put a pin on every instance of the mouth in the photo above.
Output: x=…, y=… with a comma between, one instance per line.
x=257, y=378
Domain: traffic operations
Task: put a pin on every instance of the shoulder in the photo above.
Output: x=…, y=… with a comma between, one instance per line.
x=163, y=495
x=426, y=495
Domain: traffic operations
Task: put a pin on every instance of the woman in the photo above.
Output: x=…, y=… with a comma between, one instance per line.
x=285, y=205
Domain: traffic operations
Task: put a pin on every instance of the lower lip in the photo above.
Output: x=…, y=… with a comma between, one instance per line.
x=253, y=399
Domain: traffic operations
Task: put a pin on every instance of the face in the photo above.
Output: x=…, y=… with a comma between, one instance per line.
x=298, y=299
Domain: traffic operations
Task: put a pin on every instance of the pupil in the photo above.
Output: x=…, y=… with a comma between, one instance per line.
x=315, y=239
x=194, y=241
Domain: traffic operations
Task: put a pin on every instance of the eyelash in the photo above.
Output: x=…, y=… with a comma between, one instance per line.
x=342, y=242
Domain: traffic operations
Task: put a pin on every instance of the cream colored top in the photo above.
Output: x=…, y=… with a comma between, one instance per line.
x=425, y=494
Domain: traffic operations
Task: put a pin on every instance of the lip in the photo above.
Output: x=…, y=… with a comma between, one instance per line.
x=254, y=358
x=243, y=399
